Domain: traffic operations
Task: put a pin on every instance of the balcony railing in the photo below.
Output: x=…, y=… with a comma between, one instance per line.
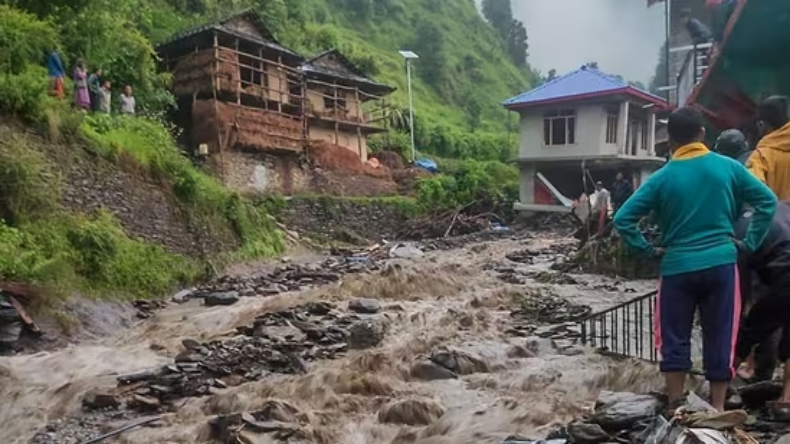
x=694, y=67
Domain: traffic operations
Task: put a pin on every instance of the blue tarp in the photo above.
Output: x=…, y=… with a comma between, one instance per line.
x=427, y=164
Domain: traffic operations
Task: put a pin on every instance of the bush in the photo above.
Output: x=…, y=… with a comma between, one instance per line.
x=28, y=187
x=24, y=95
x=492, y=183
x=66, y=252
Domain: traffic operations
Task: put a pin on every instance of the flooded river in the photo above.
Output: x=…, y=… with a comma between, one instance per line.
x=446, y=300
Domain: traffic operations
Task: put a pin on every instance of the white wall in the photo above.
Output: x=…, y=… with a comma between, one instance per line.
x=590, y=135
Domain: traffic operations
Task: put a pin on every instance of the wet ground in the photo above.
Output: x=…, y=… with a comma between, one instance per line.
x=451, y=347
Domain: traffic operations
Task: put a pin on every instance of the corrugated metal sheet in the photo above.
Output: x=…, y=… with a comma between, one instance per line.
x=584, y=81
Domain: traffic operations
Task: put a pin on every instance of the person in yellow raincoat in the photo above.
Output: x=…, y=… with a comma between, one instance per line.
x=770, y=161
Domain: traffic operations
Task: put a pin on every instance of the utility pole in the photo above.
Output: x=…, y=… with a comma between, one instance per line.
x=409, y=55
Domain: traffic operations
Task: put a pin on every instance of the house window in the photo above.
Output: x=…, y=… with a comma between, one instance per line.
x=612, y=118
x=559, y=127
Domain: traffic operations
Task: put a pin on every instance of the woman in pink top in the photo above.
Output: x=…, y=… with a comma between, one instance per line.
x=81, y=97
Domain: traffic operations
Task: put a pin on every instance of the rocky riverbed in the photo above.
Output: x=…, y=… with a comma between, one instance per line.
x=439, y=347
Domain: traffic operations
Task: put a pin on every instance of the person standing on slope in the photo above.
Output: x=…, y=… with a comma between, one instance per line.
x=696, y=199
x=770, y=161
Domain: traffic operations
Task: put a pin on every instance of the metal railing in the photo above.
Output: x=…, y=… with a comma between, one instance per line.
x=624, y=330
x=694, y=67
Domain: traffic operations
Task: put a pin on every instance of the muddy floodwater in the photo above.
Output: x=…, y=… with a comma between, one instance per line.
x=515, y=379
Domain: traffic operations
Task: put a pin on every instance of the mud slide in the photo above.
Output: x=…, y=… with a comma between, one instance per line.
x=470, y=345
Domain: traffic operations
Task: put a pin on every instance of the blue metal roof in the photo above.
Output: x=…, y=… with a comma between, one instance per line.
x=584, y=81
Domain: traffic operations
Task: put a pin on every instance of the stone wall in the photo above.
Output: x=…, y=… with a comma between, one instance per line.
x=356, y=221
x=257, y=172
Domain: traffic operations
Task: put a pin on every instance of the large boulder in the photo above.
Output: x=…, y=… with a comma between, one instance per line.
x=365, y=306
x=413, y=412
x=365, y=334
x=584, y=433
x=621, y=411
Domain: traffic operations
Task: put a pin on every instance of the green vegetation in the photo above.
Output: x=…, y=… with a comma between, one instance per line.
x=42, y=243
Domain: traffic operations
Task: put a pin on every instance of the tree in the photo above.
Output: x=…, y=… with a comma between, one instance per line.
x=500, y=15
x=432, y=64
x=516, y=44
x=660, y=77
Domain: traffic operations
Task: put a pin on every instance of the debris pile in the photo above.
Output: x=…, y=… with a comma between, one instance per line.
x=447, y=224
x=545, y=309
x=278, y=419
x=450, y=243
x=226, y=290
x=637, y=419
x=279, y=342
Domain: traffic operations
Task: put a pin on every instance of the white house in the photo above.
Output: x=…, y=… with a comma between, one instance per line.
x=583, y=127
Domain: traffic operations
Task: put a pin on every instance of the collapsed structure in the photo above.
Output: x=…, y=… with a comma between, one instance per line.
x=249, y=106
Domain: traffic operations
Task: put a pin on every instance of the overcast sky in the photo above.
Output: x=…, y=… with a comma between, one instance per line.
x=623, y=36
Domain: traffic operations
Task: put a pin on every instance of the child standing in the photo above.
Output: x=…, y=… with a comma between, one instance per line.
x=696, y=198
x=105, y=98
x=127, y=101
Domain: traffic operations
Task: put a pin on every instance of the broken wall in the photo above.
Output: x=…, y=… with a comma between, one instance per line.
x=357, y=144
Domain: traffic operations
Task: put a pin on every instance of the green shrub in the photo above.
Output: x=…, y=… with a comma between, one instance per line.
x=29, y=189
x=24, y=95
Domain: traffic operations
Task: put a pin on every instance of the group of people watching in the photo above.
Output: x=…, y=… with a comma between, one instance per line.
x=725, y=245
x=92, y=92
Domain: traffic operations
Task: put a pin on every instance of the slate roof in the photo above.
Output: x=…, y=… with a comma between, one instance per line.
x=585, y=82
x=352, y=73
x=220, y=25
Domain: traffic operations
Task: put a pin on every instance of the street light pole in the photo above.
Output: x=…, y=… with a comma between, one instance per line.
x=411, y=111
x=409, y=55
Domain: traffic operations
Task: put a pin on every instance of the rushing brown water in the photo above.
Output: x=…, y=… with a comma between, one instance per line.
x=448, y=299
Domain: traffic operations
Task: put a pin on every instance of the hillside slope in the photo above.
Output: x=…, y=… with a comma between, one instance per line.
x=450, y=36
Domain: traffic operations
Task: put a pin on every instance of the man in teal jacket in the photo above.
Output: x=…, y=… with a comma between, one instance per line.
x=696, y=199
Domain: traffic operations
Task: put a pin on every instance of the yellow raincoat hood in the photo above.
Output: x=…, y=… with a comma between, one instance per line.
x=770, y=162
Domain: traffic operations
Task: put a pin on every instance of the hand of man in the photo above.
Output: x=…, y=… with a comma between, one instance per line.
x=658, y=251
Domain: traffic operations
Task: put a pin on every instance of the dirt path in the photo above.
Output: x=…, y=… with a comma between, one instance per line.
x=453, y=303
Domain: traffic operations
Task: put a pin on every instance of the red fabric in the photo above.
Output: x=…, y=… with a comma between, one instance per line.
x=57, y=90
x=601, y=221
x=542, y=195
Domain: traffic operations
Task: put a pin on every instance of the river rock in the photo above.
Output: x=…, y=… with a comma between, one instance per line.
x=584, y=433
x=784, y=440
x=757, y=394
x=413, y=412
x=620, y=411
x=96, y=399
x=365, y=334
x=226, y=298
x=365, y=306
x=459, y=362
x=430, y=371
